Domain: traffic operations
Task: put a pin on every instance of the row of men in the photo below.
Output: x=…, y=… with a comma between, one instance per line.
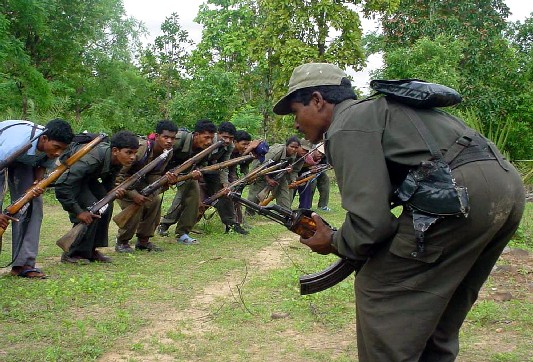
x=112, y=162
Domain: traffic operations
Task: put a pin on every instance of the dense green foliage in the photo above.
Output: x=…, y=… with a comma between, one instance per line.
x=83, y=61
x=468, y=46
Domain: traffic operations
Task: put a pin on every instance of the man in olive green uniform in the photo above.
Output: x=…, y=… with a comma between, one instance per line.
x=410, y=300
x=217, y=180
x=144, y=222
x=186, y=202
x=280, y=187
x=88, y=181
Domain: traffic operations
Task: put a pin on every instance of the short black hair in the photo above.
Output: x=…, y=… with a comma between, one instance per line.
x=241, y=135
x=292, y=139
x=165, y=125
x=59, y=130
x=227, y=127
x=205, y=125
x=125, y=139
x=334, y=94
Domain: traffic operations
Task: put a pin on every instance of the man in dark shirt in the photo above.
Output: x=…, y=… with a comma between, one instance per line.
x=85, y=183
x=413, y=290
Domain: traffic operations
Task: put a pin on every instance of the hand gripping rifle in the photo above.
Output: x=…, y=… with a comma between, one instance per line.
x=162, y=184
x=22, y=203
x=66, y=241
x=300, y=222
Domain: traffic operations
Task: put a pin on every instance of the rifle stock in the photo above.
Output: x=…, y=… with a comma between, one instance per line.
x=300, y=222
x=75, y=232
x=53, y=176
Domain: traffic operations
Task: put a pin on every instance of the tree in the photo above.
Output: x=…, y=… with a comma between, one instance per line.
x=263, y=40
x=488, y=71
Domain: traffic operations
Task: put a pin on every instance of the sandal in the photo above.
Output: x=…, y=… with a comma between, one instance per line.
x=187, y=240
x=28, y=272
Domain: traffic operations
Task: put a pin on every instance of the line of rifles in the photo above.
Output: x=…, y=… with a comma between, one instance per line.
x=298, y=221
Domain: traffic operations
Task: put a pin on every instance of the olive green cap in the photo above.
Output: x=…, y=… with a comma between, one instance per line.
x=309, y=75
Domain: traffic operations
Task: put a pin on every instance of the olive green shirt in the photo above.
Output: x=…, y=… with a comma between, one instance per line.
x=145, y=155
x=371, y=145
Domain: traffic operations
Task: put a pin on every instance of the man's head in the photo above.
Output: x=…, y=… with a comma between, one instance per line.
x=124, y=145
x=241, y=141
x=314, y=90
x=226, y=132
x=305, y=147
x=292, y=145
x=204, y=132
x=165, y=134
x=56, y=139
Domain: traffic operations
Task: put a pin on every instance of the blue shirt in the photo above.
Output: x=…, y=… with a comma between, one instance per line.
x=16, y=136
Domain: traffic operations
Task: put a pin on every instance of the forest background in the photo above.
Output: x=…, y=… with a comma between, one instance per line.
x=85, y=62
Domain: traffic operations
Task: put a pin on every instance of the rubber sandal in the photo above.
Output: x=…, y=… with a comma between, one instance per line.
x=187, y=240
x=32, y=273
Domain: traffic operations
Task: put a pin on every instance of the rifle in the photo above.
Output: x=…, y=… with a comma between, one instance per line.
x=162, y=184
x=300, y=222
x=22, y=203
x=308, y=176
x=66, y=240
x=263, y=195
x=242, y=181
x=121, y=218
x=268, y=170
x=22, y=150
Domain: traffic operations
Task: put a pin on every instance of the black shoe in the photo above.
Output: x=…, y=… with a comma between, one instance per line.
x=74, y=259
x=147, y=246
x=99, y=257
x=162, y=230
x=123, y=248
x=237, y=228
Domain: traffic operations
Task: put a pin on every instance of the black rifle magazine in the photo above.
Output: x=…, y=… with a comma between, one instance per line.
x=324, y=279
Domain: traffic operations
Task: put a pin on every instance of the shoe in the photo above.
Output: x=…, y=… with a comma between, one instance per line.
x=237, y=228
x=162, y=230
x=99, y=257
x=147, y=246
x=123, y=248
x=187, y=240
x=325, y=208
x=74, y=259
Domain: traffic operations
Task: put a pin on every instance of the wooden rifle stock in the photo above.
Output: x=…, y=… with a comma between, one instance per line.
x=122, y=217
x=66, y=241
x=15, y=207
x=300, y=222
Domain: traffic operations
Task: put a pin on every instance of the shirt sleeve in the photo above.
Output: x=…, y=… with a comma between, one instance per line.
x=363, y=179
x=69, y=184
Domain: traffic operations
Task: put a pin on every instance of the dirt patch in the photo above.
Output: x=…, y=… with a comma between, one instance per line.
x=197, y=318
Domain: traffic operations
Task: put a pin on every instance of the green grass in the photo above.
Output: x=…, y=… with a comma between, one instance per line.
x=143, y=305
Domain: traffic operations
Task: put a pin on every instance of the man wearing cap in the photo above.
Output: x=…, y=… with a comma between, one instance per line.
x=413, y=291
x=310, y=158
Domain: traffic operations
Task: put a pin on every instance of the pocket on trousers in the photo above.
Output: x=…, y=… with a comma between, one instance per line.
x=406, y=248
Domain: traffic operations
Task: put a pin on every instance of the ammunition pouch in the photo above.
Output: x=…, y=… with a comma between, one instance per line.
x=431, y=189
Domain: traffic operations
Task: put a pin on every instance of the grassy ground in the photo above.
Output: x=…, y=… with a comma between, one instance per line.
x=230, y=298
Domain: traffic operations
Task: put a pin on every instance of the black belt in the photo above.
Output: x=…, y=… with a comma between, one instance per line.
x=471, y=148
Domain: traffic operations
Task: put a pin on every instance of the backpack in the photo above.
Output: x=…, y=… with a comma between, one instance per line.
x=417, y=93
